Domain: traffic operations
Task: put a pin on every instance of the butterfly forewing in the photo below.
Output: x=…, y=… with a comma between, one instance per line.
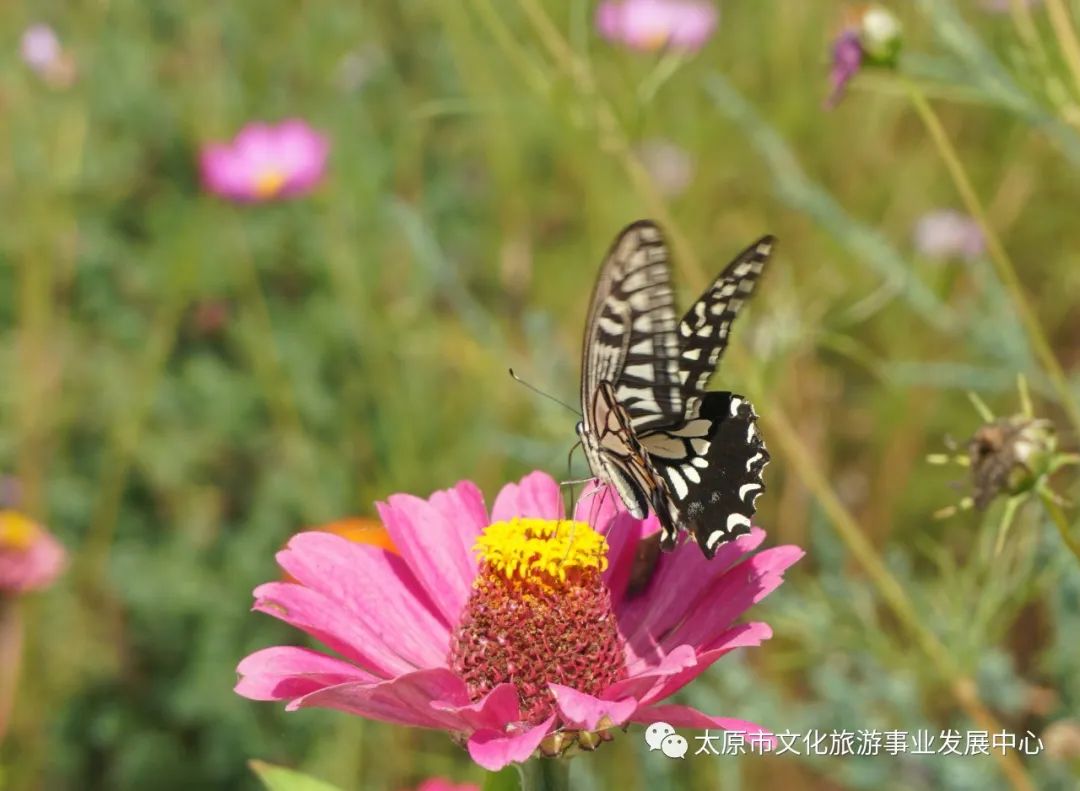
x=704, y=330
x=630, y=335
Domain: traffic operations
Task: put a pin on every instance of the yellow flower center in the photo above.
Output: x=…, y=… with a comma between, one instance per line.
x=541, y=550
x=16, y=531
x=269, y=182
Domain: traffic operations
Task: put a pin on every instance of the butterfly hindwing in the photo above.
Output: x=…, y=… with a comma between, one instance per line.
x=712, y=464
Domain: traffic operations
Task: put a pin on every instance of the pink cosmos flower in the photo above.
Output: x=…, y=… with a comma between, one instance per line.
x=30, y=558
x=535, y=646
x=265, y=162
x=654, y=24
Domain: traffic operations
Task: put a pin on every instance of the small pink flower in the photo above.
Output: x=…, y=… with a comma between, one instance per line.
x=265, y=162
x=441, y=784
x=42, y=52
x=30, y=558
x=40, y=48
x=947, y=233
x=654, y=24
x=846, y=60
x=431, y=636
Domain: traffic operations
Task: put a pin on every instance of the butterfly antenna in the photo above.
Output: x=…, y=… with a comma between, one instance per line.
x=538, y=391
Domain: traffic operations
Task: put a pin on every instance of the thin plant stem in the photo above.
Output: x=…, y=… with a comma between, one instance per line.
x=125, y=435
x=1066, y=37
x=544, y=774
x=1057, y=516
x=963, y=688
x=612, y=137
x=505, y=39
x=1024, y=21
x=11, y=649
x=1003, y=264
x=265, y=354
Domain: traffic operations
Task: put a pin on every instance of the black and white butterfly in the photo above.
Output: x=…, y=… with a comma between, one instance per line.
x=649, y=427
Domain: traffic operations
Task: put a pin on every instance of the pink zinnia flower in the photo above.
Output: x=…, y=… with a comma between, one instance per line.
x=654, y=24
x=533, y=646
x=30, y=558
x=265, y=162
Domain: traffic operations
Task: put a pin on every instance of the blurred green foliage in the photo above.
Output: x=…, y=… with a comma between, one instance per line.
x=186, y=383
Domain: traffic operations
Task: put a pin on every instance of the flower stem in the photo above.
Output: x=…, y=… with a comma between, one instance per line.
x=1006, y=271
x=1066, y=37
x=1057, y=516
x=11, y=641
x=544, y=774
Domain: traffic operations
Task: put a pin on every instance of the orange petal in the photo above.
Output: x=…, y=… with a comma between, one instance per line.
x=361, y=530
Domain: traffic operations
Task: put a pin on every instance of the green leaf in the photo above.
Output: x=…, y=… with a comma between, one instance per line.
x=278, y=778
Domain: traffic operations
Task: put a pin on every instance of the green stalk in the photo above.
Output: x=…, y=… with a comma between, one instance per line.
x=1057, y=516
x=544, y=774
x=1003, y=264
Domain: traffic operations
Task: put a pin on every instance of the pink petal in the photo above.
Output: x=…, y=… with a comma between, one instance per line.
x=682, y=577
x=598, y=505
x=581, y=710
x=687, y=717
x=405, y=700
x=287, y=672
x=493, y=750
x=436, y=538
x=370, y=643
x=644, y=680
x=537, y=496
x=256, y=145
x=623, y=534
x=495, y=710
x=609, y=19
x=735, y=592
x=375, y=587
x=34, y=567
x=225, y=174
x=301, y=153
x=442, y=784
x=741, y=636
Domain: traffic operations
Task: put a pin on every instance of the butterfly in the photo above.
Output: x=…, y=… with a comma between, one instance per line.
x=649, y=428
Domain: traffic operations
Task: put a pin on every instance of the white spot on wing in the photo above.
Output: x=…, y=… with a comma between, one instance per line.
x=681, y=489
x=746, y=488
x=737, y=520
x=641, y=371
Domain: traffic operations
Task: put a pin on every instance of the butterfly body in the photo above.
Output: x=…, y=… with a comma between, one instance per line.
x=649, y=428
